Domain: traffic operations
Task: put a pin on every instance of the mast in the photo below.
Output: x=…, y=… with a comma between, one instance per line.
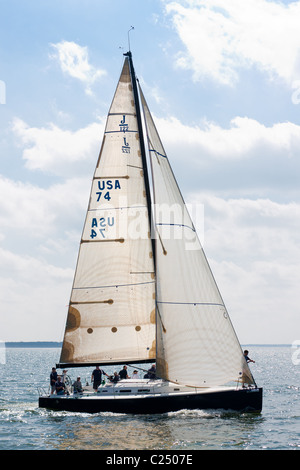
x=142, y=145
x=146, y=175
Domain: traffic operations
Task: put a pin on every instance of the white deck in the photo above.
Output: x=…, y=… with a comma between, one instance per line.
x=141, y=388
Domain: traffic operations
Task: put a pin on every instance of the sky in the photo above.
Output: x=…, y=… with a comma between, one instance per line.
x=222, y=79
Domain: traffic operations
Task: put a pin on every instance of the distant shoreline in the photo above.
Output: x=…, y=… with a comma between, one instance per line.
x=58, y=344
x=33, y=344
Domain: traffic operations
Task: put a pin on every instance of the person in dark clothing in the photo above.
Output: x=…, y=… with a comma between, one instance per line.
x=247, y=358
x=77, y=386
x=114, y=378
x=123, y=373
x=97, y=377
x=53, y=379
x=151, y=374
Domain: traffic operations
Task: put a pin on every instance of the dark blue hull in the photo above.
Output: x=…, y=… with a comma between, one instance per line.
x=243, y=400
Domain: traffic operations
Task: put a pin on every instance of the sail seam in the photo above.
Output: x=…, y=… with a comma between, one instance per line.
x=121, y=114
x=191, y=303
x=111, y=177
x=121, y=131
x=119, y=240
x=153, y=150
x=141, y=272
x=117, y=208
x=91, y=302
x=114, y=285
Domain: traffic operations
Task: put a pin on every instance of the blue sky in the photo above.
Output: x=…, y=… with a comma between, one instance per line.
x=223, y=82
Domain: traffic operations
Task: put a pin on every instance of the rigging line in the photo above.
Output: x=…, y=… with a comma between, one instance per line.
x=146, y=370
x=159, y=315
x=139, y=368
x=178, y=225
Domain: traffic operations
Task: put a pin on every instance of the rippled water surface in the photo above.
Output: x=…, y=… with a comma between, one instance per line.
x=24, y=426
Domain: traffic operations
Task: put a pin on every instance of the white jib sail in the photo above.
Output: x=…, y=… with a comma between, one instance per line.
x=111, y=316
x=196, y=343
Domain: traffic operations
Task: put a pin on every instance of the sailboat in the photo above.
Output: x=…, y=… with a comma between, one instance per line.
x=143, y=291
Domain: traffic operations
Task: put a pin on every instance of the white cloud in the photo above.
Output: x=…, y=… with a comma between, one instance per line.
x=246, y=158
x=253, y=247
x=238, y=141
x=30, y=212
x=34, y=297
x=222, y=37
x=269, y=154
x=55, y=150
x=269, y=229
x=40, y=235
x=74, y=61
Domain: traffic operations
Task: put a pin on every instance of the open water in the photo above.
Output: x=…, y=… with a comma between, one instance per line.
x=24, y=426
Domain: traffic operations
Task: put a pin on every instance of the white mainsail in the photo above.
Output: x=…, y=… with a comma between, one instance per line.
x=196, y=343
x=111, y=317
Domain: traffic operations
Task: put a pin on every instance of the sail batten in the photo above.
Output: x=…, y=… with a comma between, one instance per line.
x=117, y=285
